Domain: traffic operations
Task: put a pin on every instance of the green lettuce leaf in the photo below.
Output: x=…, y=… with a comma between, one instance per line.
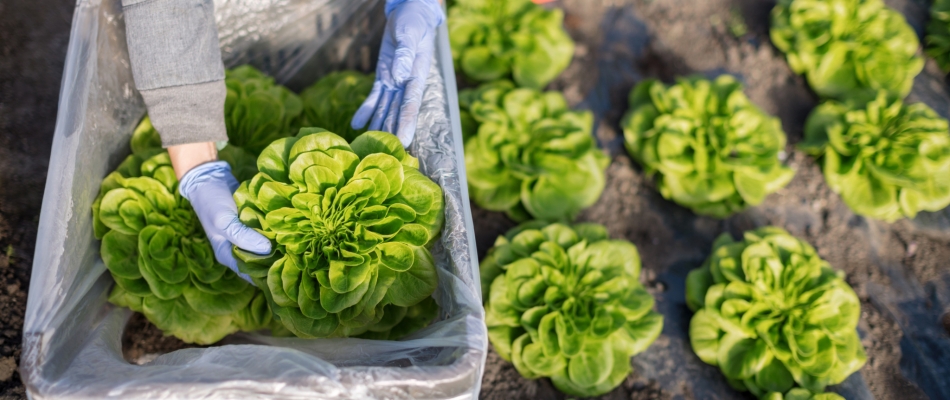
x=938, y=33
x=773, y=316
x=801, y=394
x=530, y=156
x=566, y=303
x=332, y=101
x=847, y=49
x=509, y=39
x=350, y=225
x=886, y=159
x=710, y=148
x=258, y=111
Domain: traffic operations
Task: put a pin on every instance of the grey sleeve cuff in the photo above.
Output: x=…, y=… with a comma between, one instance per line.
x=172, y=42
x=188, y=114
x=176, y=64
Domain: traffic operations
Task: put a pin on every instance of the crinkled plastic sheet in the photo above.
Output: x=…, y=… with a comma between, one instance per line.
x=72, y=335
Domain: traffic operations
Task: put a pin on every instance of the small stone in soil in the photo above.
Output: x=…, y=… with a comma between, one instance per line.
x=7, y=368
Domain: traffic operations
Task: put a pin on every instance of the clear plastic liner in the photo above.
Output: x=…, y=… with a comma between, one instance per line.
x=72, y=335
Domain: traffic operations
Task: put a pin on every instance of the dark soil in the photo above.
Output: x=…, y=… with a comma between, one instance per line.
x=899, y=272
x=32, y=50
x=142, y=341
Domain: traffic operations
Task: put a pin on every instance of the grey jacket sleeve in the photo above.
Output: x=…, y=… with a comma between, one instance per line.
x=176, y=64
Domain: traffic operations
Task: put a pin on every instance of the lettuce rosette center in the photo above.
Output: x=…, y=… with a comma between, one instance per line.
x=351, y=223
x=566, y=303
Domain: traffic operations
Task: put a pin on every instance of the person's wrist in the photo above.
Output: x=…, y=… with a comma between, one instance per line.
x=185, y=157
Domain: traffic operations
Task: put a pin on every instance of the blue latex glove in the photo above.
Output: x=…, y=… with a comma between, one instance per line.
x=404, y=60
x=210, y=188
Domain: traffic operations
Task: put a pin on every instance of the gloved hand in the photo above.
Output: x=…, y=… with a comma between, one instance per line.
x=210, y=187
x=404, y=60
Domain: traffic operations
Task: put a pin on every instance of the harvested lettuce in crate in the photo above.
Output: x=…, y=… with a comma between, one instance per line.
x=152, y=242
x=709, y=147
x=351, y=226
x=566, y=303
x=333, y=100
x=257, y=111
x=161, y=260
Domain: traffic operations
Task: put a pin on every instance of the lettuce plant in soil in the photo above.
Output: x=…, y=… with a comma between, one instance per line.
x=566, y=303
x=773, y=316
x=938, y=33
x=331, y=102
x=709, y=147
x=886, y=159
x=162, y=263
x=351, y=225
x=509, y=39
x=847, y=48
x=529, y=155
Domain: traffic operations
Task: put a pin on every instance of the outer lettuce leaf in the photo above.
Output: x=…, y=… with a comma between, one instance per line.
x=711, y=149
x=243, y=163
x=566, y=303
x=801, y=394
x=258, y=111
x=938, y=33
x=529, y=155
x=332, y=101
x=847, y=49
x=772, y=315
x=886, y=159
x=509, y=39
x=350, y=226
x=145, y=141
